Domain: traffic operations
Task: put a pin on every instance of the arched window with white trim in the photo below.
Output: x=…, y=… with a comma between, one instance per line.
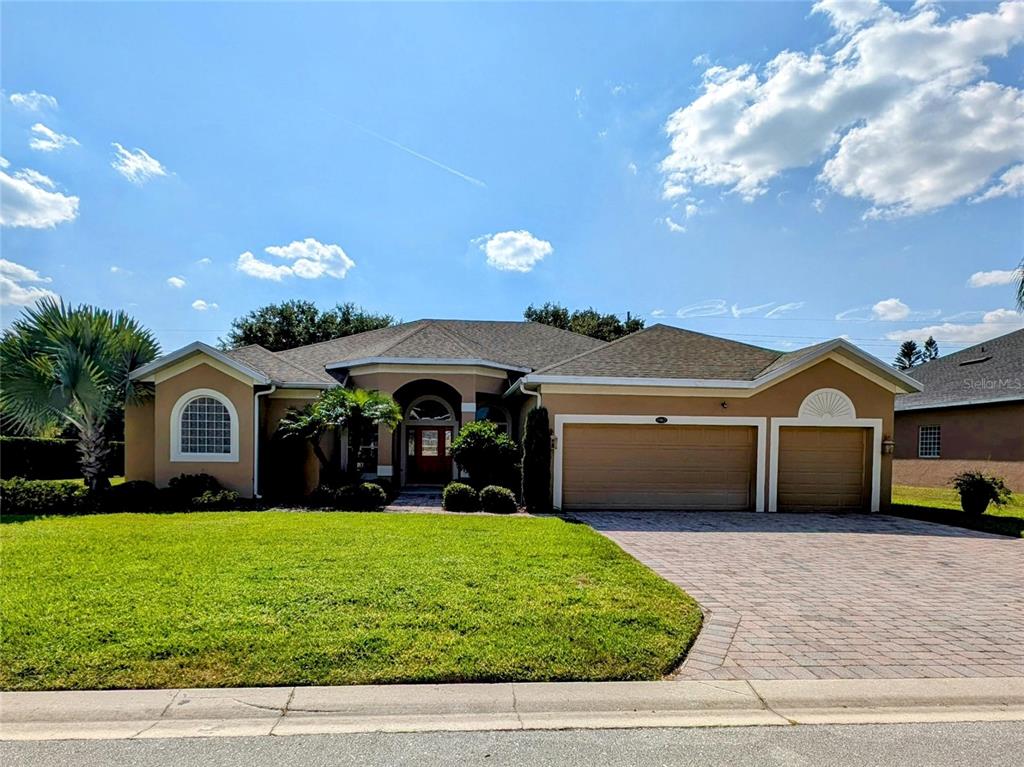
x=204, y=427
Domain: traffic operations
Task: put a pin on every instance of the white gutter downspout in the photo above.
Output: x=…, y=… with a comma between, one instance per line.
x=256, y=439
x=531, y=393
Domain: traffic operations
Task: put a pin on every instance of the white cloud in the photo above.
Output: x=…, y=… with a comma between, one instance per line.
x=895, y=104
x=137, y=165
x=19, y=285
x=995, y=323
x=742, y=311
x=310, y=259
x=701, y=60
x=33, y=101
x=4, y=162
x=118, y=270
x=631, y=167
x=201, y=306
x=781, y=309
x=890, y=309
x=204, y=261
x=513, y=251
x=673, y=226
x=176, y=282
x=1010, y=184
x=47, y=140
x=27, y=199
x=658, y=313
x=995, y=277
x=710, y=308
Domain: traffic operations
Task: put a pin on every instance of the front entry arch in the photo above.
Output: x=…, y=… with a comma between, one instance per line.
x=428, y=430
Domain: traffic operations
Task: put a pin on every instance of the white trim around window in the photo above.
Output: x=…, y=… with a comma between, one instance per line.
x=177, y=456
x=761, y=424
x=875, y=424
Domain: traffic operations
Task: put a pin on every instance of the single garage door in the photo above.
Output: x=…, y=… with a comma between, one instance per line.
x=822, y=469
x=616, y=466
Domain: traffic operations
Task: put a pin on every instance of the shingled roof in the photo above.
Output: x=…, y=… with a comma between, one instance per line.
x=663, y=351
x=276, y=367
x=992, y=371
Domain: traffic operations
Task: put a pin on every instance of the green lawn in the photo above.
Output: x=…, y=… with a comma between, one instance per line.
x=279, y=598
x=942, y=504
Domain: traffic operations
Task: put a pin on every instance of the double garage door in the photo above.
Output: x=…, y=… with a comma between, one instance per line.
x=709, y=468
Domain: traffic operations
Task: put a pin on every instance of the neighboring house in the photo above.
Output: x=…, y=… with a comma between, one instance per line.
x=969, y=416
x=663, y=418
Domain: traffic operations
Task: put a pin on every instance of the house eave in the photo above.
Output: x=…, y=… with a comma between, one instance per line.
x=197, y=347
x=426, y=362
x=958, y=403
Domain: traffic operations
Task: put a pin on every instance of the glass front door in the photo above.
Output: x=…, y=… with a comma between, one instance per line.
x=428, y=453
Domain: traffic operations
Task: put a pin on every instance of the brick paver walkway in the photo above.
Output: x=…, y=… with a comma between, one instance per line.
x=791, y=596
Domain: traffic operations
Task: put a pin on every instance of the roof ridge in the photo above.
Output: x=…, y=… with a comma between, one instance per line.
x=279, y=358
x=428, y=324
x=596, y=348
x=350, y=335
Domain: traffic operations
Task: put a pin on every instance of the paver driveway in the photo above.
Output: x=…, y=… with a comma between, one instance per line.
x=803, y=596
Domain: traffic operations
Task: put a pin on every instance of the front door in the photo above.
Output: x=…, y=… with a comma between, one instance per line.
x=429, y=454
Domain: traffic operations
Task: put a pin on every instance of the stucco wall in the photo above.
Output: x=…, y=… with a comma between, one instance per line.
x=235, y=475
x=139, y=447
x=781, y=400
x=988, y=438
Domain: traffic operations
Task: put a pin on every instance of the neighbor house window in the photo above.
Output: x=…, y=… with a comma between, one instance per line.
x=929, y=442
x=204, y=427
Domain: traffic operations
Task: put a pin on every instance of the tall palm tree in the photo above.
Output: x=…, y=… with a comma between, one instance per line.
x=356, y=410
x=71, y=365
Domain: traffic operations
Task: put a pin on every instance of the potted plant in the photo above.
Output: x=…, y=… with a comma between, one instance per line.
x=978, y=490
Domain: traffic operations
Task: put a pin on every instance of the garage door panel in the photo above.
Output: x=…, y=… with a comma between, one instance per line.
x=658, y=467
x=822, y=469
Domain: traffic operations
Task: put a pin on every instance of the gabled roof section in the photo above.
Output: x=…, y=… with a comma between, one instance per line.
x=666, y=352
x=199, y=348
x=276, y=368
x=992, y=371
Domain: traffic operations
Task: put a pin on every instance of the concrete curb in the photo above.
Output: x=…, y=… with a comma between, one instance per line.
x=119, y=714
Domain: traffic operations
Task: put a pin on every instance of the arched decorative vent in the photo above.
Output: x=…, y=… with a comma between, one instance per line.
x=830, y=404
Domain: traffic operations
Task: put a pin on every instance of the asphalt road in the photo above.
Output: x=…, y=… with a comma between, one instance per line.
x=902, y=745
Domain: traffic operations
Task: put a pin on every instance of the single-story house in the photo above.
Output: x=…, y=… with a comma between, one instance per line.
x=969, y=416
x=661, y=419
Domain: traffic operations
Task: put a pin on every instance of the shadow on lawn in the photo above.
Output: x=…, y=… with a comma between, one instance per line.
x=986, y=523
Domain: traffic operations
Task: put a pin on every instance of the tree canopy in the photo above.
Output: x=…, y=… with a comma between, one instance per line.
x=298, y=323
x=908, y=355
x=588, y=322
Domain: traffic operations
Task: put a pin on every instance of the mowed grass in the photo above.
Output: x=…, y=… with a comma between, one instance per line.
x=279, y=598
x=942, y=504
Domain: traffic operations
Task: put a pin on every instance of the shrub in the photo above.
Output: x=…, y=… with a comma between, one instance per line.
x=44, y=496
x=215, y=500
x=183, y=488
x=537, y=462
x=498, y=500
x=978, y=490
x=373, y=496
x=41, y=458
x=459, y=497
x=364, y=497
x=137, y=495
x=486, y=454
x=387, y=486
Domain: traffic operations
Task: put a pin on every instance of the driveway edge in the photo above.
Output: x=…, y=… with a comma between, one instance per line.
x=282, y=711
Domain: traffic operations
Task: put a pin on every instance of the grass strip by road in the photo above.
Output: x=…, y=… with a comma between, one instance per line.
x=942, y=505
x=277, y=598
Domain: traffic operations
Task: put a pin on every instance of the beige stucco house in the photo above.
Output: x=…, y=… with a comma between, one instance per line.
x=664, y=418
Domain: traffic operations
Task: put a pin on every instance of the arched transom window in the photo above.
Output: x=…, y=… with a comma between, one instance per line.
x=429, y=409
x=204, y=427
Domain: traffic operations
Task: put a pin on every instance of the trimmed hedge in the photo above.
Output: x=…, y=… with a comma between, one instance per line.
x=458, y=496
x=367, y=496
x=498, y=500
x=44, y=496
x=41, y=458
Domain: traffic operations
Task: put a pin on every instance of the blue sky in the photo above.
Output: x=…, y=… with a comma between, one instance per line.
x=467, y=160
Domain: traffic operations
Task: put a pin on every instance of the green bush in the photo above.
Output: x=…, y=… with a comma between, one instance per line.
x=486, y=454
x=44, y=496
x=367, y=496
x=215, y=500
x=385, y=484
x=183, y=488
x=537, y=462
x=498, y=500
x=137, y=495
x=373, y=496
x=41, y=458
x=459, y=497
x=978, y=490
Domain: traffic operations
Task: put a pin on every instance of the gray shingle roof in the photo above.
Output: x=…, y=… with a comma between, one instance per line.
x=275, y=367
x=662, y=351
x=988, y=372
x=517, y=344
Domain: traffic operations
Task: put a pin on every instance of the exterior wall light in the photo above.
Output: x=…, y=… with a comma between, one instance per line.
x=888, y=446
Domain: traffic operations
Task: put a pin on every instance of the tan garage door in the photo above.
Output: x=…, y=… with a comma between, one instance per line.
x=658, y=467
x=823, y=469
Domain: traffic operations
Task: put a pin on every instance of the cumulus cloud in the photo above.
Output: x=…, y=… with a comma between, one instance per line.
x=19, y=285
x=136, y=165
x=995, y=323
x=310, y=259
x=47, y=140
x=29, y=199
x=995, y=277
x=890, y=309
x=202, y=306
x=513, y=251
x=1010, y=184
x=887, y=310
x=176, y=282
x=33, y=101
x=895, y=105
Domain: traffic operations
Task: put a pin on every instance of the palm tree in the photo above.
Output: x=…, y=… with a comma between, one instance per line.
x=71, y=365
x=356, y=410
